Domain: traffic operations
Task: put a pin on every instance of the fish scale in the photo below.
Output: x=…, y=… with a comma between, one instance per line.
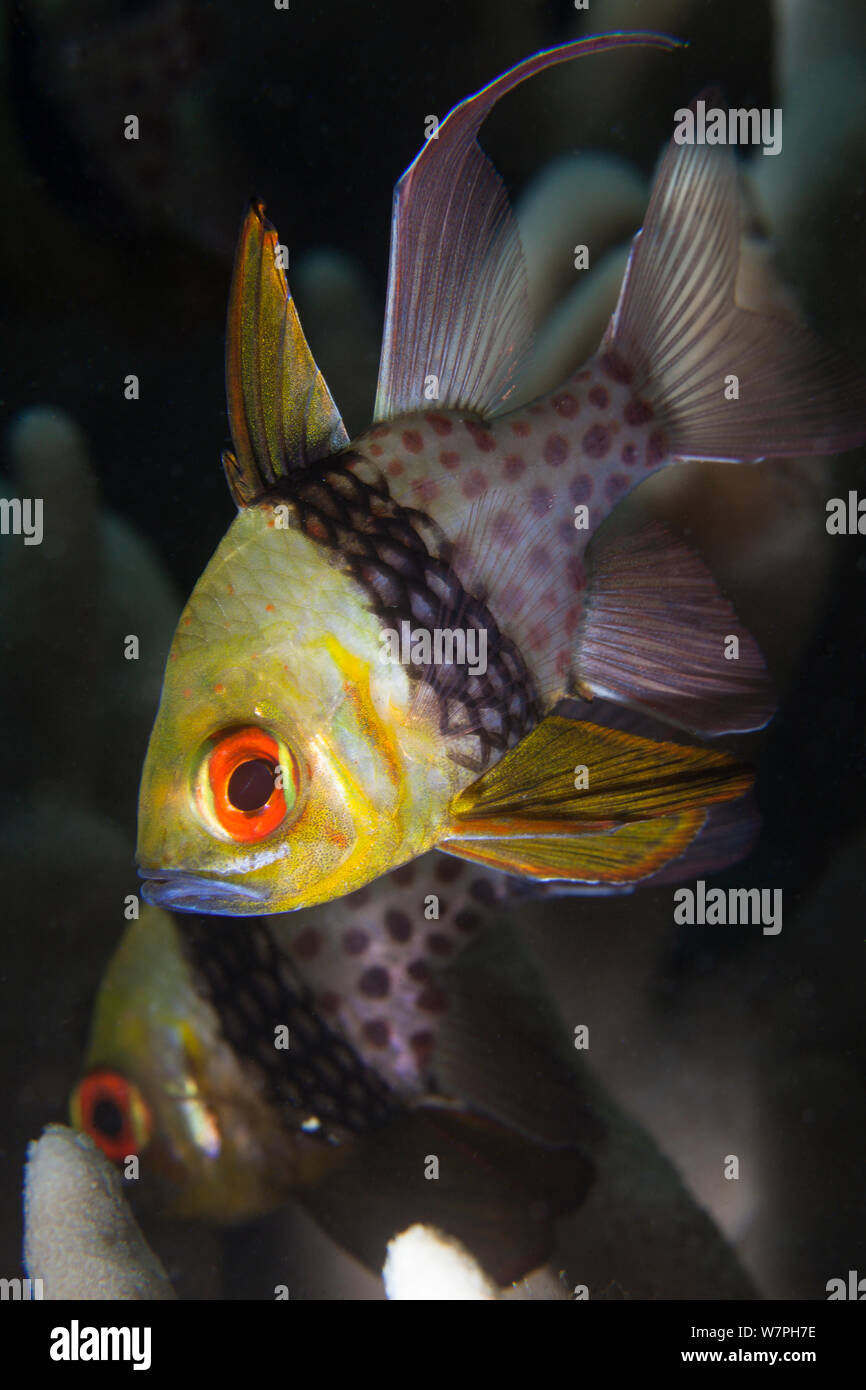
x=586, y=444
x=376, y=963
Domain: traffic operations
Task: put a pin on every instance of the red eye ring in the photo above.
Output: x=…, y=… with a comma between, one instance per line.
x=113, y=1112
x=267, y=763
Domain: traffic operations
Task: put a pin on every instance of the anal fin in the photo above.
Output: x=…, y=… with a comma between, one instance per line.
x=657, y=634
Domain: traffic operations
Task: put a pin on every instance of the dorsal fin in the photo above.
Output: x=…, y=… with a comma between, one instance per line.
x=281, y=413
x=457, y=308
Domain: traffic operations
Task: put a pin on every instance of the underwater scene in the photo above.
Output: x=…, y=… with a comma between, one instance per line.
x=432, y=615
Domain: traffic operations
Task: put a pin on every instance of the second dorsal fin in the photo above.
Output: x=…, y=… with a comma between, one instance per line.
x=281, y=412
x=457, y=310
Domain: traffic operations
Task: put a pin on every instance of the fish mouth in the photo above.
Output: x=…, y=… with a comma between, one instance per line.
x=180, y=891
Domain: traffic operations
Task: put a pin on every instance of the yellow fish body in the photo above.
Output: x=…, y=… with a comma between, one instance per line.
x=371, y=663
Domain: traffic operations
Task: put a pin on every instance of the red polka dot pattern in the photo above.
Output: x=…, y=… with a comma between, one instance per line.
x=584, y=445
x=376, y=1032
x=596, y=442
x=376, y=959
x=309, y=944
x=482, y=437
x=475, y=485
x=564, y=403
x=555, y=450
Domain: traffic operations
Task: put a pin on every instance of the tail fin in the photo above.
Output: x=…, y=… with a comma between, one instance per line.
x=680, y=330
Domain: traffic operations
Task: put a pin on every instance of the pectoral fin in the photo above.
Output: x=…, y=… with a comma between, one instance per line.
x=623, y=855
x=594, y=805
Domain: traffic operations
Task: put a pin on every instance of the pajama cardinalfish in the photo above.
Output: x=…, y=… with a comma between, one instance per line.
x=297, y=753
x=386, y=1056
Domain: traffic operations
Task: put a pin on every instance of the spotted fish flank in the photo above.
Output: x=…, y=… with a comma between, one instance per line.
x=552, y=475
x=376, y=963
x=292, y=761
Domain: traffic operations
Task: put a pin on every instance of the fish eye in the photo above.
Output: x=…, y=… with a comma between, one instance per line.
x=113, y=1112
x=248, y=783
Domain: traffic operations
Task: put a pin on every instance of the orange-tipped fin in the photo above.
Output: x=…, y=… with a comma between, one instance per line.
x=281, y=412
x=588, y=804
x=626, y=854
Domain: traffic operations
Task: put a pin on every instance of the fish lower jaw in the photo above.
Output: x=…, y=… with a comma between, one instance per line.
x=179, y=891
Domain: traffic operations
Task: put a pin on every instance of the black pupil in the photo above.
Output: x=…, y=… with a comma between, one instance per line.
x=251, y=785
x=107, y=1118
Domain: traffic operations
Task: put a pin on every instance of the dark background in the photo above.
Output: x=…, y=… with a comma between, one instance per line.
x=115, y=258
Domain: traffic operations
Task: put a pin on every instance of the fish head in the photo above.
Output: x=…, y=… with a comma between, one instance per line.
x=288, y=764
x=161, y=1085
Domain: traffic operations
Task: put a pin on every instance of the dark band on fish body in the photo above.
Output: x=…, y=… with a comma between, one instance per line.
x=254, y=989
x=403, y=561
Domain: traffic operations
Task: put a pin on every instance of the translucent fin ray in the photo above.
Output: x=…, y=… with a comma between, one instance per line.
x=581, y=802
x=679, y=328
x=656, y=634
x=457, y=307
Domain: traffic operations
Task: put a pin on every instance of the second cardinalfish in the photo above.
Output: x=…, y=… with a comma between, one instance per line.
x=296, y=754
x=321, y=1055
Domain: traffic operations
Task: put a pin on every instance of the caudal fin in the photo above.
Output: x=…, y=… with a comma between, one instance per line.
x=729, y=384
